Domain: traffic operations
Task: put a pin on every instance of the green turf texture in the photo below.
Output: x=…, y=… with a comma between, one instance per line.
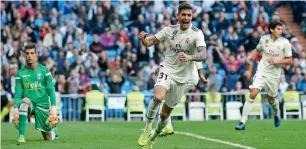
x=124, y=135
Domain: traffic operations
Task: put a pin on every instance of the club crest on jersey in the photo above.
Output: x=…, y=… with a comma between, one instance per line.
x=187, y=40
x=174, y=34
x=38, y=76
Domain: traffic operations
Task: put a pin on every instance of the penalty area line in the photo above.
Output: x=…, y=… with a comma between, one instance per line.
x=213, y=140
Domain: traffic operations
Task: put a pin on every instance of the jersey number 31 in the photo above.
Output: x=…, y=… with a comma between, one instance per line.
x=163, y=75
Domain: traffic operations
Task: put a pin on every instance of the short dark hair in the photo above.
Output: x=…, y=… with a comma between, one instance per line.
x=30, y=46
x=184, y=6
x=274, y=23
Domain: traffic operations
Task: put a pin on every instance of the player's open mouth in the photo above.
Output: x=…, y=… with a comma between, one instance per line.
x=185, y=22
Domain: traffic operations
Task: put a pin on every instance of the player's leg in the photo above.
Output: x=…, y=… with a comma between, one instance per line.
x=49, y=136
x=272, y=91
x=257, y=85
x=5, y=111
x=23, y=116
x=247, y=108
x=164, y=117
x=42, y=124
x=159, y=95
x=168, y=130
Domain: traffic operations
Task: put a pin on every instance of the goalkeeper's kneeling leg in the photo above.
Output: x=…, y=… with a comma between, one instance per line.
x=49, y=136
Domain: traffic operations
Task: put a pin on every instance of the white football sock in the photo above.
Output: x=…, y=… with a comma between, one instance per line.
x=247, y=108
x=152, y=110
x=169, y=125
x=275, y=107
x=159, y=127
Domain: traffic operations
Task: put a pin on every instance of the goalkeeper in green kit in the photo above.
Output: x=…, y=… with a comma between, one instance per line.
x=35, y=93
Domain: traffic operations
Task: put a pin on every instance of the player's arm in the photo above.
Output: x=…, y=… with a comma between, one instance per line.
x=18, y=90
x=147, y=41
x=286, y=60
x=256, y=51
x=151, y=40
x=201, y=72
x=288, y=56
x=51, y=91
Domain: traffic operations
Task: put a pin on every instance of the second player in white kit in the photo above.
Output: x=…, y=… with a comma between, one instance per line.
x=275, y=51
x=185, y=46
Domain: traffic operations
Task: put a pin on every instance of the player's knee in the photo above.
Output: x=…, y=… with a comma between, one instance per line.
x=26, y=100
x=164, y=115
x=159, y=97
x=24, y=106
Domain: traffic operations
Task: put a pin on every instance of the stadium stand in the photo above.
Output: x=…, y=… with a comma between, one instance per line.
x=86, y=42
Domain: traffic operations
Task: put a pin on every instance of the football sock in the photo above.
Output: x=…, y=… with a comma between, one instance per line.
x=23, y=116
x=152, y=110
x=4, y=112
x=247, y=108
x=275, y=107
x=169, y=125
x=159, y=127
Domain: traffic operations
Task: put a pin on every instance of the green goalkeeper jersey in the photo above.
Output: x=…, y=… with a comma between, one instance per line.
x=36, y=85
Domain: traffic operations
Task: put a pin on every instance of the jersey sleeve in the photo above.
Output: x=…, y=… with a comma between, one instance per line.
x=260, y=44
x=161, y=35
x=200, y=42
x=50, y=87
x=18, y=89
x=287, y=49
x=199, y=65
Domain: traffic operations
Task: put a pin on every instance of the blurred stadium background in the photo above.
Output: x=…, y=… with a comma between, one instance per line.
x=94, y=45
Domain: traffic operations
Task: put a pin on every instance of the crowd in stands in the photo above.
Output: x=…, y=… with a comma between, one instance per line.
x=82, y=42
x=299, y=13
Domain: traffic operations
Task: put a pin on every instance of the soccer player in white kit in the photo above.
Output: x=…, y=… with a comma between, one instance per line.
x=185, y=46
x=276, y=51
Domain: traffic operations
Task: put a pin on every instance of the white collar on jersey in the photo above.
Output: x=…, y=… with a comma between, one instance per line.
x=181, y=31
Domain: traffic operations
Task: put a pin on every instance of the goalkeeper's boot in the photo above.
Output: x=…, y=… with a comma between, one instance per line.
x=240, y=126
x=277, y=121
x=167, y=131
x=21, y=139
x=56, y=134
x=144, y=137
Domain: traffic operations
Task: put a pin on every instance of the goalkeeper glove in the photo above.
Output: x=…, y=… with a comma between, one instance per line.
x=53, y=119
x=16, y=118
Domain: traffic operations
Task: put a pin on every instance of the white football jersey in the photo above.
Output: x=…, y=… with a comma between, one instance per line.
x=280, y=48
x=180, y=41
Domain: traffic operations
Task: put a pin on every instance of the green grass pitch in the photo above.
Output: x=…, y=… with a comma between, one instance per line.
x=123, y=135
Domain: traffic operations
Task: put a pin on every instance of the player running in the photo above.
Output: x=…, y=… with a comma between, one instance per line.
x=33, y=88
x=186, y=45
x=276, y=51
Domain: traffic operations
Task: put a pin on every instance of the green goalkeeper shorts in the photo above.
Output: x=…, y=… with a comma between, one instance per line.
x=41, y=116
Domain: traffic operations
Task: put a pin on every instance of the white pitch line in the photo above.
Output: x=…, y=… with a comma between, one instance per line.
x=213, y=140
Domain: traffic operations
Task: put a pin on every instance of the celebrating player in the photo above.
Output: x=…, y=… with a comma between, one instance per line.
x=276, y=51
x=33, y=89
x=186, y=45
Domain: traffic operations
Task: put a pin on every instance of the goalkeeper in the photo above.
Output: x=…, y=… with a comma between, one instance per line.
x=33, y=90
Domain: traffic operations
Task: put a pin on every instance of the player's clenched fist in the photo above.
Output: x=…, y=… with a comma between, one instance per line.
x=142, y=35
x=183, y=57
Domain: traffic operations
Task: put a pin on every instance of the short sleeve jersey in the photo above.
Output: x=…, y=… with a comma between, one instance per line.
x=185, y=41
x=280, y=48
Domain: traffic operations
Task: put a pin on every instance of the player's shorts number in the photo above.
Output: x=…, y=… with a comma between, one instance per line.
x=163, y=75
